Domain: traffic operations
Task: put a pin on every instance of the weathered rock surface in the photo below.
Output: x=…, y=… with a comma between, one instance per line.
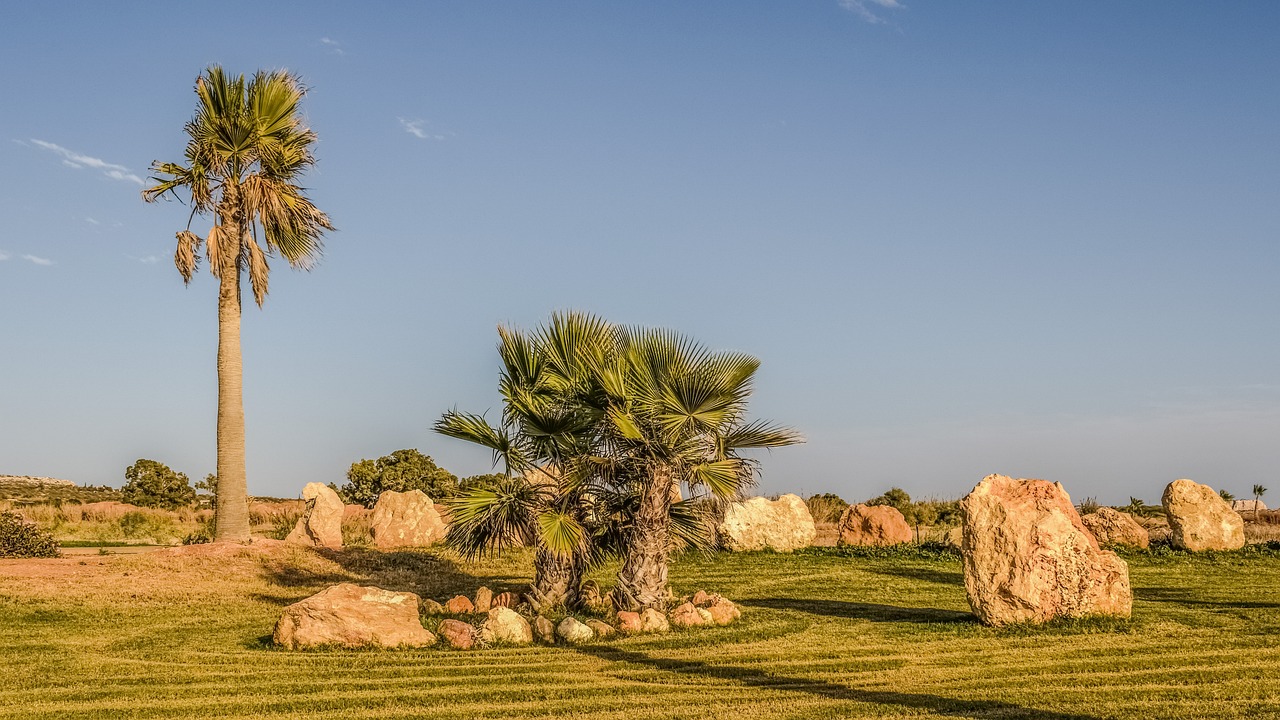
x=405, y=519
x=628, y=622
x=573, y=631
x=723, y=611
x=459, y=604
x=652, y=621
x=484, y=599
x=431, y=607
x=543, y=628
x=873, y=525
x=1028, y=558
x=1199, y=519
x=321, y=521
x=1248, y=506
x=686, y=615
x=601, y=628
x=353, y=616
x=1112, y=527
x=457, y=634
x=506, y=626
x=782, y=525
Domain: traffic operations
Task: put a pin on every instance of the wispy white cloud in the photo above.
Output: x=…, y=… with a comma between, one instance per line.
x=3, y=256
x=74, y=159
x=37, y=260
x=862, y=8
x=331, y=46
x=91, y=221
x=149, y=260
x=418, y=129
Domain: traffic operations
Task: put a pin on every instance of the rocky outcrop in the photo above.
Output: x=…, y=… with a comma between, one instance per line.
x=1028, y=557
x=505, y=625
x=405, y=519
x=782, y=525
x=353, y=616
x=1199, y=519
x=1112, y=527
x=873, y=525
x=321, y=521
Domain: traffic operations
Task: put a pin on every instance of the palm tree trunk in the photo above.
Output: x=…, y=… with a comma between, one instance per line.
x=642, y=582
x=556, y=581
x=232, y=510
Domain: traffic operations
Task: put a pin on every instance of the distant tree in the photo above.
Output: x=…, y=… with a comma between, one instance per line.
x=894, y=497
x=1226, y=495
x=826, y=507
x=152, y=484
x=1258, y=492
x=400, y=471
x=482, y=482
x=207, y=491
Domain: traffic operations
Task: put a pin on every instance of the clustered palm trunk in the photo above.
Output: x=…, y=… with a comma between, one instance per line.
x=247, y=146
x=642, y=581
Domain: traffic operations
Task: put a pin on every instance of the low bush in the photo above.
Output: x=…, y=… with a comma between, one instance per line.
x=826, y=507
x=22, y=539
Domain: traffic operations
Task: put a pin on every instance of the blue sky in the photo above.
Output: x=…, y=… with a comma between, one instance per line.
x=1029, y=238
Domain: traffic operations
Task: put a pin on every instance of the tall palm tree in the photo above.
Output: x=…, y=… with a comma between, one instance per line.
x=676, y=415
x=547, y=443
x=247, y=147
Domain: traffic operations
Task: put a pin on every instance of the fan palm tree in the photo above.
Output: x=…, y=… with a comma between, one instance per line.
x=247, y=147
x=675, y=415
x=1258, y=492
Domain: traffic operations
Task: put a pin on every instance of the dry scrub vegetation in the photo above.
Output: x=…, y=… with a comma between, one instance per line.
x=183, y=633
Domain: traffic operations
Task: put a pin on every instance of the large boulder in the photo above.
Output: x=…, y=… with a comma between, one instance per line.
x=1199, y=519
x=760, y=523
x=405, y=519
x=506, y=626
x=1112, y=527
x=321, y=521
x=873, y=525
x=1028, y=558
x=1248, y=506
x=353, y=616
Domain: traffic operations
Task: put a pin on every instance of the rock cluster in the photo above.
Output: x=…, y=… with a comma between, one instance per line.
x=782, y=525
x=321, y=521
x=405, y=519
x=1028, y=558
x=1199, y=519
x=873, y=525
x=353, y=616
x=1112, y=527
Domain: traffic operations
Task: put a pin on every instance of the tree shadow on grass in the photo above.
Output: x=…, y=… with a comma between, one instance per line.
x=417, y=571
x=863, y=611
x=1184, y=596
x=753, y=677
x=940, y=577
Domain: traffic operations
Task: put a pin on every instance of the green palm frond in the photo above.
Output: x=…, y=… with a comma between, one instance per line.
x=759, y=434
x=560, y=533
x=487, y=520
x=724, y=479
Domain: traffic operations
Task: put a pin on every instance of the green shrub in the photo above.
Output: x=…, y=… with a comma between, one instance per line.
x=152, y=484
x=21, y=539
x=400, y=471
x=826, y=507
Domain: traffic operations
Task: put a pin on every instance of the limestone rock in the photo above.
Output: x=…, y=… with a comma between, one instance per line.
x=505, y=599
x=652, y=621
x=1028, y=558
x=506, y=626
x=543, y=628
x=459, y=605
x=1199, y=519
x=574, y=631
x=628, y=622
x=782, y=525
x=601, y=628
x=484, y=599
x=458, y=634
x=873, y=525
x=405, y=519
x=1248, y=506
x=321, y=521
x=1112, y=527
x=686, y=616
x=353, y=616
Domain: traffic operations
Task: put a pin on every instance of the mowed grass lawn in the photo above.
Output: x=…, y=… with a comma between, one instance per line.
x=823, y=635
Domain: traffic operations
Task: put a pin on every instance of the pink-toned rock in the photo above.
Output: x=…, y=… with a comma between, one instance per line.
x=781, y=525
x=321, y=521
x=701, y=599
x=722, y=611
x=1028, y=557
x=354, y=512
x=1112, y=527
x=686, y=616
x=652, y=621
x=458, y=634
x=353, y=616
x=405, y=519
x=873, y=525
x=505, y=599
x=459, y=605
x=1199, y=519
x=484, y=599
x=628, y=622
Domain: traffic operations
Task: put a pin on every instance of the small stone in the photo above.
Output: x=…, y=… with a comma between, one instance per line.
x=686, y=616
x=505, y=599
x=723, y=612
x=459, y=605
x=707, y=617
x=506, y=626
x=701, y=599
x=458, y=634
x=484, y=599
x=601, y=628
x=431, y=607
x=652, y=621
x=574, y=631
x=543, y=628
x=628, y=622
